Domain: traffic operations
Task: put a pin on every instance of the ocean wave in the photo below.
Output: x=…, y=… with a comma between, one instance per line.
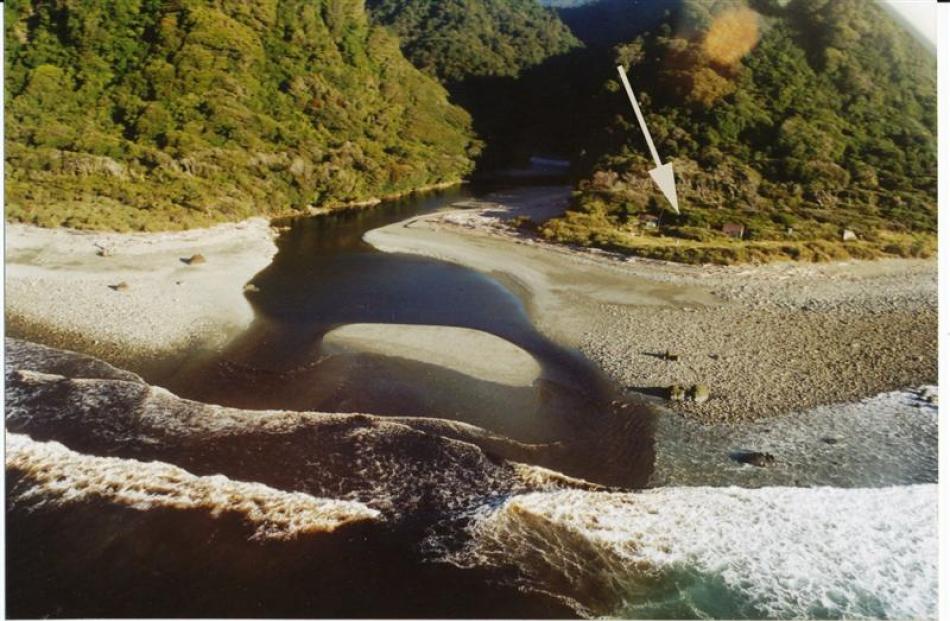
x=722, y=552
x=402, y=467
x=48, y=473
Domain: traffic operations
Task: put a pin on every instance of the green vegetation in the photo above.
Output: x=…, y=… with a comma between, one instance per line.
x=797, y=119
x=166, y=114
x=494, y=57
x=459, y=39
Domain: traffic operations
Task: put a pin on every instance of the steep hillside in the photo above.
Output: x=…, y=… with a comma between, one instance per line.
x=165, y=114
x=796, y=119
x=459, y=39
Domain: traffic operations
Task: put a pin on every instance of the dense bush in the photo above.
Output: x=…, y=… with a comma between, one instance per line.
x=163, y=114
x=796, y=119
x=459, y=39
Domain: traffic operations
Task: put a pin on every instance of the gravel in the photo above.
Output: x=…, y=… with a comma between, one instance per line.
x=767, y=339
x=132, y=297
x=786, y=338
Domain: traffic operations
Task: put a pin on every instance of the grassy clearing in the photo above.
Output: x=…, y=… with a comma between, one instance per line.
x=808, y=241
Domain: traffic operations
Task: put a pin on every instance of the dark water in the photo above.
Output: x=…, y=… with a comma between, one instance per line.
x=99, y=559
x=324, y=276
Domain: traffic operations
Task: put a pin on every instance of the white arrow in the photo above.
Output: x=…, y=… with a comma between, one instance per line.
x=663, y=173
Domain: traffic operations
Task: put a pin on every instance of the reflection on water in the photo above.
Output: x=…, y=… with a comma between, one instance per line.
x=324, y=275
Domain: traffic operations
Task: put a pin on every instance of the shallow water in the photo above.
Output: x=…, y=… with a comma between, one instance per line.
x=888, y=439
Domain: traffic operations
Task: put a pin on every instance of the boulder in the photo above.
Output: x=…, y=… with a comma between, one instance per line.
x=699, y=393
x=677, y=393
x=753, y=458
x=929, y=394
x=195, y=259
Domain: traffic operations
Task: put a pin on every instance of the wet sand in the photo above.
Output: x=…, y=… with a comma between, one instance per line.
x=496, y=359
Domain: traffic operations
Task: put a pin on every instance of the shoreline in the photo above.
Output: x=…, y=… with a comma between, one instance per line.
x=59, y=280
x=767, y=339
x=372, y=201
x=133, y=298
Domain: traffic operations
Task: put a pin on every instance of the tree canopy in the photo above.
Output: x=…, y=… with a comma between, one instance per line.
x=162, y=114
x=460, y=39
x=797, y=119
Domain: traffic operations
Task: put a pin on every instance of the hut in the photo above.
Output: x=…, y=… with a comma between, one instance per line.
x=649, y=221
x=734, y=230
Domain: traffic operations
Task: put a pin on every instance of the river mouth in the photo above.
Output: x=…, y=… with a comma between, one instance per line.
x=465, y=536
x=325, y=277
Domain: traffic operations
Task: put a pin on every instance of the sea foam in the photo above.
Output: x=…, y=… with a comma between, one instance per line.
x=723, y=552
x=53, y=474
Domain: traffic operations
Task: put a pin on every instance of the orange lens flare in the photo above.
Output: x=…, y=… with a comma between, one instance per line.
x=731, y=36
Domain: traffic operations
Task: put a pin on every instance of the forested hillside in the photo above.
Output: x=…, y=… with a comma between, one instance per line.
x=796, y=119
x=459, y=39
x=491, y=55
x=163, y=114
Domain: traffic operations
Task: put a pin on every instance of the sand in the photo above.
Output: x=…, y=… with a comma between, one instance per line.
x=767, y=340
x=64, y=287
x=497, y=360
x=556, y=286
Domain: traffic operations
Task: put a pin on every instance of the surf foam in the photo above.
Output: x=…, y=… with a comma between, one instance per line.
x=723, y=552
x=54, y=474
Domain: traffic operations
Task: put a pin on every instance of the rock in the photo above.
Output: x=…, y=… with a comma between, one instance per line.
x=699, y=393
x=670, y=357
x=195, y=259
x=848, y=235
x=830, y=441
x=677, y=393
x=122, y=286
x=251, y=288
x=84, y=165
x=753, y=458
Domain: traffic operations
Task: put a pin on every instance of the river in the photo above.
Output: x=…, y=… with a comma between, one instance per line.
x=325, y=276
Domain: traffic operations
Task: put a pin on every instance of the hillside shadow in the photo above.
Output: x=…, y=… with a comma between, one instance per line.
x=543, y=111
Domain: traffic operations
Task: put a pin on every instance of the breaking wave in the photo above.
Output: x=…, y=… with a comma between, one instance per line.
x=722, y=552
x=49, y=473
